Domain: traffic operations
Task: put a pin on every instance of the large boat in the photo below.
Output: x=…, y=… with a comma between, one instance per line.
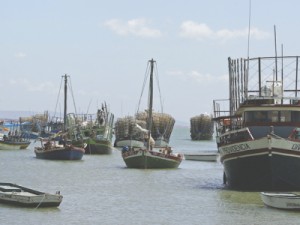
x=97, y=132
x=258, y=132
x=64, y=149
x=14, y=194
x=148, y=157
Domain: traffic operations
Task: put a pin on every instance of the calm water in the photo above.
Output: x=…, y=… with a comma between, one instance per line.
x=101, y=190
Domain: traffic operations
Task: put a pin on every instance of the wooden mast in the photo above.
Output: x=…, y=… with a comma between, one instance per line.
x=150, y=104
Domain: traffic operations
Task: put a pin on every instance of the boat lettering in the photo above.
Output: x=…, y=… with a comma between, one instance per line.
x=296, y=147
x=236, y=148
x=292, y=204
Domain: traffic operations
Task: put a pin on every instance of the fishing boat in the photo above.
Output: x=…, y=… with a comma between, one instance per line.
x=258, y=127
x=290, y=201
x=204, y=156
x=148, y=157
x=63, y=149
x=97, y=132
x=14, y=194
x=10, y=141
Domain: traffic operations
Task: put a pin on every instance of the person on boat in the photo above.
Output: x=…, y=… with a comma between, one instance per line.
x=93, y=134
x=125, y=149
x=152, y=142
x=48, y=145
x=169, y=150
x=5, y=138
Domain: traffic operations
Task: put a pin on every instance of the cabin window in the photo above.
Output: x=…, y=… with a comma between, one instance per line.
x=285, y=116
x=272, y=116
x=258, y=116
x=262, y=116
x=248, y=116
x=295, y=116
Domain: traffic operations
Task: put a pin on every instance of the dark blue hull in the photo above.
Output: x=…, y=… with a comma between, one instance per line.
x=60, y=154
x=272, y=172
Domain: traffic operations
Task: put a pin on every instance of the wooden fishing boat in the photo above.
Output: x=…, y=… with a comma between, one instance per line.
x=97, y=131
x=64, y=150
x=288, y=201
x=149, y=157
x=156, y=158
x=258, y=131
x=204, y=156
x=10, y=142
x=51, y=149
x=21, y=196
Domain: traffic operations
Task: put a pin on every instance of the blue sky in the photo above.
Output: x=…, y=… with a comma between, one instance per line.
x=105, y=46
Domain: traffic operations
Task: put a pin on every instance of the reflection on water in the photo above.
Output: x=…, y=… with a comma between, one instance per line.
x=241, y=197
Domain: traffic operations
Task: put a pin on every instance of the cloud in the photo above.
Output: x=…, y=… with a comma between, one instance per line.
x=135, y=27
x=20, y=55
x=201, y=31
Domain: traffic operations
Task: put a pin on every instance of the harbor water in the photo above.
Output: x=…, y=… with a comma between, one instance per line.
x=100, y=190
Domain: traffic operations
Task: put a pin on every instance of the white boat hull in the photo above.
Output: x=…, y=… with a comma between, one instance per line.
x=202, y=156
x=281, y=200
x=17, y=195
x=30, y=199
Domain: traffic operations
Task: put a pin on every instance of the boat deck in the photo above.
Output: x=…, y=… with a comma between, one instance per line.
x=7, y=189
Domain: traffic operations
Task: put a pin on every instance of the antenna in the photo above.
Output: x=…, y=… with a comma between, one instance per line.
x=248, y=50
x=275, y=52
x=249, y=30
x=282, y=64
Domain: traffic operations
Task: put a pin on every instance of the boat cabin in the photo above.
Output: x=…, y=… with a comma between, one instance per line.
x=277, y=119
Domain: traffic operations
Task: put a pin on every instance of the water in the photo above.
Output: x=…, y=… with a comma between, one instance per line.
x=101, y=190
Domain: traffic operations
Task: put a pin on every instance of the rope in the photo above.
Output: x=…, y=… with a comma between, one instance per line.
x=144, y=83
x=57, y=98
x=158, y=86
x=41, y=201
x=72, y=95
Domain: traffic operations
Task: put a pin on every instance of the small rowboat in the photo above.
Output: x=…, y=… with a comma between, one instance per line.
x=289, y=201
x=212, y=157
x=21, y=196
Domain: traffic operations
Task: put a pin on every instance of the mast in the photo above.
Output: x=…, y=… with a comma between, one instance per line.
x=65, y=101
x=150, y=103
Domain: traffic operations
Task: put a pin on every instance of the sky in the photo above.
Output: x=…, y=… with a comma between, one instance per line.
x=104, y=46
